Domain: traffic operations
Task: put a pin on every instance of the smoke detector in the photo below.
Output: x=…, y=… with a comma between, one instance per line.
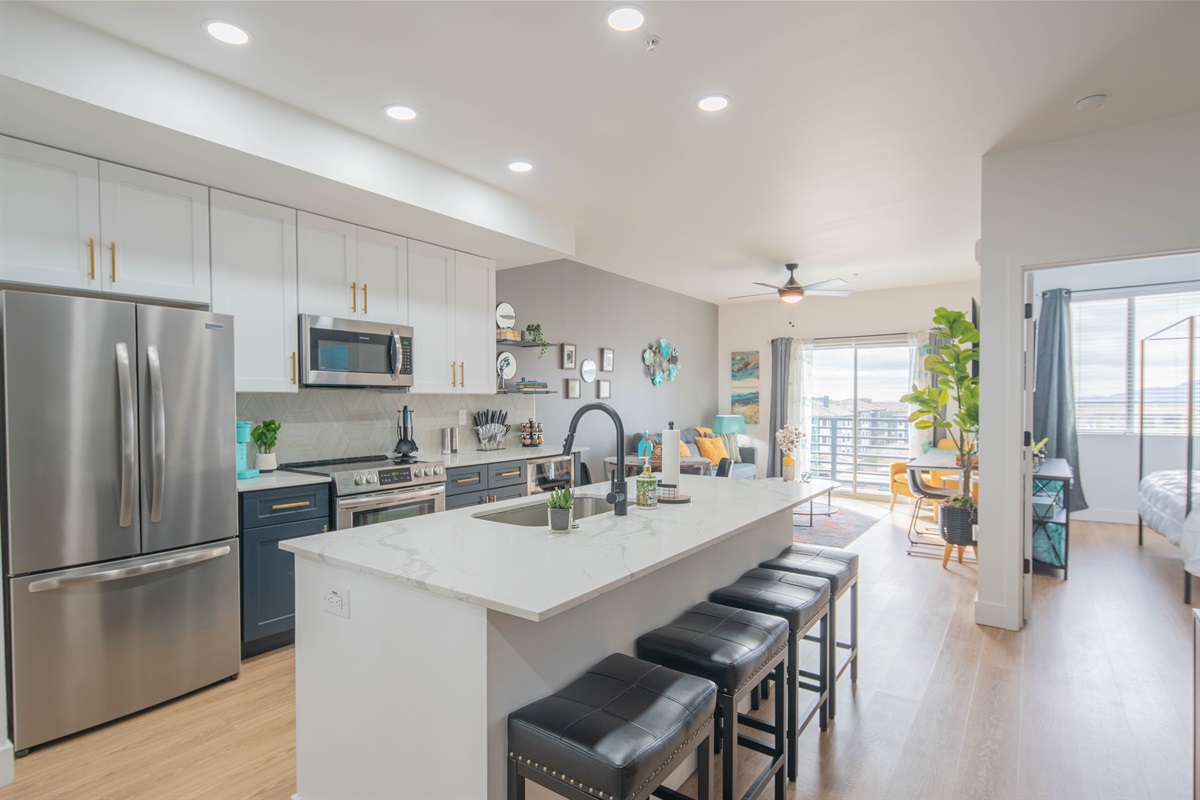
x=1091, y=102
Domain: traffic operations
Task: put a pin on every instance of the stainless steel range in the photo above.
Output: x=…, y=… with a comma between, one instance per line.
x=375, y=489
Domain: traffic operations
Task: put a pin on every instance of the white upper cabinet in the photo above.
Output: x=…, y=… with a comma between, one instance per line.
x=474, y=323
x=254, y=279
x=49, y=216
x=154, y=231
x=327, y=249
x=431, y=314
x=382, y=277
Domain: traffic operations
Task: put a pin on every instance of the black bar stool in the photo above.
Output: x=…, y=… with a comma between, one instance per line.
x=840, y=568
x=804, y=602
x=614, y=733
x=735, y=649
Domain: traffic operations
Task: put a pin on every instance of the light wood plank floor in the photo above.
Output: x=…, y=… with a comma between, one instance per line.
x=1092, y=700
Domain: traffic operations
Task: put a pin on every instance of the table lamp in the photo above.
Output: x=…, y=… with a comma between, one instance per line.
x=729, y=423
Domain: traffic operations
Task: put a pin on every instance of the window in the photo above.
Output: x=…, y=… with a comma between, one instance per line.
x=1106, y=337
x=859, y=425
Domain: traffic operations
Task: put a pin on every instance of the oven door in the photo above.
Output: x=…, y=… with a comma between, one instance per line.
x=354, y=512
x=348, y=352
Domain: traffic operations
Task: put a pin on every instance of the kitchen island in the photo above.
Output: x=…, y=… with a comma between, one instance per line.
x=416, y=638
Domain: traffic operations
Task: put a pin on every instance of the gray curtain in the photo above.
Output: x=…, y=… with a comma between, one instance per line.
x=1054, y=388
x=781, y=365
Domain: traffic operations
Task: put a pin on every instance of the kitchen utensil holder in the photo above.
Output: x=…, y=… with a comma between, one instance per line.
x=491, y=436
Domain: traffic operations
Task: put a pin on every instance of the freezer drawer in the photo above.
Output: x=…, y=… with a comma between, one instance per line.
x=92, y=644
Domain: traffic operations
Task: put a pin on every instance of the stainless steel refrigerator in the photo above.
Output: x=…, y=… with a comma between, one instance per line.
x=120, y=513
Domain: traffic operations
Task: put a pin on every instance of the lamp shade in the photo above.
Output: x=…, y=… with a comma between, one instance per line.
x=729, y=423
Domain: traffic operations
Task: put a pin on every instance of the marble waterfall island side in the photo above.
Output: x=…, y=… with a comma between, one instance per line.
x=451, y=622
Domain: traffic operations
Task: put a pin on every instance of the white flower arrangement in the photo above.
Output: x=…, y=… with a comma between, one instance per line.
x=789, y=438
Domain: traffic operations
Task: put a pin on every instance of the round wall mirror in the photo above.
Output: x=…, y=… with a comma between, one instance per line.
x=506, y=315
x=587, y=370
x=506, y=365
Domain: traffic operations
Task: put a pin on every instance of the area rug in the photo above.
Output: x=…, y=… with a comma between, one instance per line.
x=833, y=530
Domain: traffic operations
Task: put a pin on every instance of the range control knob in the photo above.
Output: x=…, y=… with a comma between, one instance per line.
x=359, y=480
x=437, y=470
x=372, y=479
x=422, y=472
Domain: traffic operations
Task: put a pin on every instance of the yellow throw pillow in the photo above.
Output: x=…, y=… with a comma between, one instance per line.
x=704, y=431
x=711, y=448
x=683, y=451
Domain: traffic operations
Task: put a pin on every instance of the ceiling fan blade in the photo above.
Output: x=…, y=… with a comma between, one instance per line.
x=744, y=296
x=768, y=285
x=832, y=283
x=828, y=292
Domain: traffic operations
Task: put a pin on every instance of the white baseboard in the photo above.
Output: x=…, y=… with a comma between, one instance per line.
x=1118, y=515
x=996, y=615
x=8, y=770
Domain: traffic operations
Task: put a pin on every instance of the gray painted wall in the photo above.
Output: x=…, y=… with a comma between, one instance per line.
x=593, y=309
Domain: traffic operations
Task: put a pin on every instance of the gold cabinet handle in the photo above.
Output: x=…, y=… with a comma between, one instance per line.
x=487, y=499
x=91, y=258
x=293, y=368
x=325, y=529
x=495, y=498
x=466, y=480
x=462, y=374
x=364, y=298
x=510, y=474
x=113, y=275
x=453, y=374
x=301, y=504
x=354, y=296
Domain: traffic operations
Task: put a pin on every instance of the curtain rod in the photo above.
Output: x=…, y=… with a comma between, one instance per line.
x=852, y=338
x=1135, y=286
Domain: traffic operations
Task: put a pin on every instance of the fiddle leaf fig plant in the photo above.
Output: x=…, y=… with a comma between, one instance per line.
x=264, y=435
x=951, y=362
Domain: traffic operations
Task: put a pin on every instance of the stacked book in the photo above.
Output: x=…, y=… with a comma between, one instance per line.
x=508, y=335
x=532, y=386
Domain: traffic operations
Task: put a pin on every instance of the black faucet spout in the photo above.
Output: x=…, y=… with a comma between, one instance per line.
x=618, y=492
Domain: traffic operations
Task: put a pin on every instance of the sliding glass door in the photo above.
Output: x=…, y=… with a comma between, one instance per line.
x=859, y=425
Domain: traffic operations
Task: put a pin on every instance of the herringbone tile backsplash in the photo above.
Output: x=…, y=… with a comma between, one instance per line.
x=340, y=423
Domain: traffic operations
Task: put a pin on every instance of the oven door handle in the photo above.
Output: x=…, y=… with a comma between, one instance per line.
x=389, y=499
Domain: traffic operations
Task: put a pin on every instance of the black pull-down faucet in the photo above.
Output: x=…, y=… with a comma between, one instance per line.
x=617, y=492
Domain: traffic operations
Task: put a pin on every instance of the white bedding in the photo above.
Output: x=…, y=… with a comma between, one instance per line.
x=1161, y=506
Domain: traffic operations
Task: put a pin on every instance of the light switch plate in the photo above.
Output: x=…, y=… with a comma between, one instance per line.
x=337, y=601
x=462, y=416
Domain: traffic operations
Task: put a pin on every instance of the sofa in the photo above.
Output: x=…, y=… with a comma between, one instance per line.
x=747, y=468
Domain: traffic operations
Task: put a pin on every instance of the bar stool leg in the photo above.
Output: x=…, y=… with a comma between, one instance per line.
x=854, y=632
x=728, y=743
x=704, y=771
x=823, y=681
x=780, y=732
x=516, y=783
x=793, y=692
x=831, y=653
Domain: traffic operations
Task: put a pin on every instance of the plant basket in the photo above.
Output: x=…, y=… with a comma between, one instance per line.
x=956, y=525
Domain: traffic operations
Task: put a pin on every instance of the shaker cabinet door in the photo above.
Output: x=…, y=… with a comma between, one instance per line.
x=49, y=216
x=154, y=232
x=382, y=277
x=431, y=311
x=327, y=251
x=254, y=279
x=474, y=323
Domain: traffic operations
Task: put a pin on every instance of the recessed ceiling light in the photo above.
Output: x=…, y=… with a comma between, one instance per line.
x=625, y=18
x=226, y=32
x=714, y=102
x=1091, y=102
x=520, y=166
x=402, y=113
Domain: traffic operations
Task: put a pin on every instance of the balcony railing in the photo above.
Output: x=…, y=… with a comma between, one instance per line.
x=881, y=441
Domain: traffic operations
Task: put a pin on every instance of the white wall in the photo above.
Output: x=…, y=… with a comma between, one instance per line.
x=1108, y=463
x=752, y=326
x=1117, y=194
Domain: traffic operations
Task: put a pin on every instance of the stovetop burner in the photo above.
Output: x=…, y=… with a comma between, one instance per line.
x=373, y=473
x=333, y=462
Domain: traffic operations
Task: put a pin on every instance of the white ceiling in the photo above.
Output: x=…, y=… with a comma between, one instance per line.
x=852, y=143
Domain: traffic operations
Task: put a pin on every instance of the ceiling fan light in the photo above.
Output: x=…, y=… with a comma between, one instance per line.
x=791, y=296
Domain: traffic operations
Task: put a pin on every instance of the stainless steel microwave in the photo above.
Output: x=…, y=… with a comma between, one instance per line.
x=352, y=352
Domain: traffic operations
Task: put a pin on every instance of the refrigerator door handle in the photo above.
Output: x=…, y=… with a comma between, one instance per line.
x=102, y=576
x=158, y=435
x=128, y=434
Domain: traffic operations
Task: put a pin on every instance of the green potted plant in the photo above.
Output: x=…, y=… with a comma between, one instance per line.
x=264, y=436
x=951, y=362
x=561, y=501
x=533, y=333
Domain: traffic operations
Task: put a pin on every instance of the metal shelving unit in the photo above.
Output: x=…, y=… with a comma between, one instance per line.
x=1051, y=515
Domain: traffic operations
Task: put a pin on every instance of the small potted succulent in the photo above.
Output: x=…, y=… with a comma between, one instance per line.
x=264, y=436
x=561, y=501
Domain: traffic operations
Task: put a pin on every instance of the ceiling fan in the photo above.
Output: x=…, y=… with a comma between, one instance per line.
x=793, y=292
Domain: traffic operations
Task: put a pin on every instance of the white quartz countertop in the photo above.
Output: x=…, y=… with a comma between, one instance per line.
x=279, y=479
x=469, y=457
x=534, y=574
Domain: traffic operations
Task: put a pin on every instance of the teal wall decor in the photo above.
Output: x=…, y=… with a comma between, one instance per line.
x=662, y=362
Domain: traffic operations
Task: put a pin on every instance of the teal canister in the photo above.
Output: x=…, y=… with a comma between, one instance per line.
x=243, y=441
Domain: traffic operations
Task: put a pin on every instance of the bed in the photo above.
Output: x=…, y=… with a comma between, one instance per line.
x=1168, y=499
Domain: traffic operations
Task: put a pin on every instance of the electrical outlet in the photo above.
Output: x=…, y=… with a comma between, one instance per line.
x=462, y=416
x=337, y=601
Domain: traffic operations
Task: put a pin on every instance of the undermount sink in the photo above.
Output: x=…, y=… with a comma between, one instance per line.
x=533, y=515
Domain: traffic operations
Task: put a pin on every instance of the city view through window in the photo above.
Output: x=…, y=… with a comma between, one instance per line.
x=859, y=425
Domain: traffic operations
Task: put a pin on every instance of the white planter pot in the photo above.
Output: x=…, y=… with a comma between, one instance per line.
x=265, y=462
